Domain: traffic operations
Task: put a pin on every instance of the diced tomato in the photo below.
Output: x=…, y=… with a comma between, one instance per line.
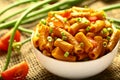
x=58, y=24
x=4, y=40
x=17, y=72
x=66, y=14
x=17, y=36
x=92, y=18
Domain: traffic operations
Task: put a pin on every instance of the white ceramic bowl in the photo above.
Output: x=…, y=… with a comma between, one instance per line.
x=75, y=70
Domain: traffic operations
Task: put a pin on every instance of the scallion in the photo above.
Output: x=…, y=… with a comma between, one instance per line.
x=49, y=38
x=66, y=54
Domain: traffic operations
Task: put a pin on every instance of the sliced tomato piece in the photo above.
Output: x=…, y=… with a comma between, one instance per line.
x=58, y=24
x=92, y=18
x=3, y=46
x=4, y=40
x=17, y=36
x=67, y=14
x=17, y=72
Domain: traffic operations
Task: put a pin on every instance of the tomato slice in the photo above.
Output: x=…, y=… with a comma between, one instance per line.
x=67, y=14
x=92, y=18
x=17, y=36
x=17, y=72
x=4, y=40
x=3, y=46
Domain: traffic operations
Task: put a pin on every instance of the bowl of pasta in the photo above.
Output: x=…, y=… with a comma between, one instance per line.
x=75, y=43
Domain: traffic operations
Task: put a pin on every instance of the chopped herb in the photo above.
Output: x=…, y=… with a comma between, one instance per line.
x=66, y=54
x=53, y=14
x=104, y=30
x=108, y=38
x=64, y=38
x=43, y=21
x=110, y=30
x=88, y=28
x=37, y=34
x=49, y=38
x=104, y=15
x=62, y=33
x=85, y=6
x=65, y=19
x=81, y=44
x=51, y=30
x=79, y=19
x=84, y=20
x=104, y=44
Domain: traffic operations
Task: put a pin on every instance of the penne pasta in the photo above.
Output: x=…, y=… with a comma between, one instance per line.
x=65, y=46
x=95, y=53
x=99, y=25
x=59, y=54
x=82, y=56
x=82, y=38
x=114, y=39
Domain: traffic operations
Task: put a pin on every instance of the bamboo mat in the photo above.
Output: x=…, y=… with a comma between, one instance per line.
x=36, y=70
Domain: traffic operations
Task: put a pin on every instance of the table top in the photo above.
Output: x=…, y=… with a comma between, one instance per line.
x=36, y=70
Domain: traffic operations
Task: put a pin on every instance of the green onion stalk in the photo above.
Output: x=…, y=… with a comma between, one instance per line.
x=7, y=17
x=17, y=45
x=111, y=7
x=14, y=5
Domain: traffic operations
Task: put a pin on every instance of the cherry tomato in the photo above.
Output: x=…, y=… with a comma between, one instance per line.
x=4, y=40
x=17, y=72
x=3, y=46
x=92, y=18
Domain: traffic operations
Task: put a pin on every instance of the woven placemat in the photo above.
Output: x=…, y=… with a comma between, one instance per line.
x=38, y=72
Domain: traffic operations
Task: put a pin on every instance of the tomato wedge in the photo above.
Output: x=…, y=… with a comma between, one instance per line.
x=17, y=72
x=92, y=18
x=67, y=14
x=4, y=40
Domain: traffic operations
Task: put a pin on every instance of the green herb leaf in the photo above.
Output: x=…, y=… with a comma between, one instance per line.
x=104, y=30
x=104, y=44
x=88, y=28
x=79, y=19
x=43, y=21
x=64, y=38
x=62, y=33
x=66, y=54
x=65, y=20
x=81, y=44
x=110, y=30
x=49, y=38
x=51, y=30
x=84, y=20
x=108, y=38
